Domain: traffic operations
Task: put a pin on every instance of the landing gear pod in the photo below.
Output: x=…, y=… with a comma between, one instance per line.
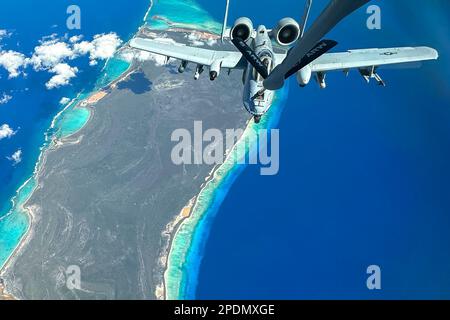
x=304, y=76
x=214, y=70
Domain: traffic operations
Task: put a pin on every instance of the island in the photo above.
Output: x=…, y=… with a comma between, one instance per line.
x=108, y=199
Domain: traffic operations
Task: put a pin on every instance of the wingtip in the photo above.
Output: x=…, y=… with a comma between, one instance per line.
x=132, y=43
x=434, y=54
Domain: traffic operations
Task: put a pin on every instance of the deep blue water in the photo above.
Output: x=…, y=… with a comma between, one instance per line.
x=33, y=110
x=364, y=177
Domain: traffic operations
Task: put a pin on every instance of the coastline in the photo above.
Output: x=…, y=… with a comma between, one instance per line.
x=174, y=285
x=172, y=230
x=55, y=142
x=180, y=219
x=49, y=146
x=176, y=224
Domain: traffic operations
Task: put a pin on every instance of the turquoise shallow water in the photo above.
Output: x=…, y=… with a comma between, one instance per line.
x=32, y=110
x=72, y=120
x=14, y=225
x=113, y=69
x=185, y=267
x=15, y=222
x=183, y=13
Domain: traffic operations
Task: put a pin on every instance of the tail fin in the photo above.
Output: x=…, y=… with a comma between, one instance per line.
x=308, y=6
x=225, y=20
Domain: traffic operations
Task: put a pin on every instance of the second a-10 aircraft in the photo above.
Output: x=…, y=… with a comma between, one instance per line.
x=265, y=70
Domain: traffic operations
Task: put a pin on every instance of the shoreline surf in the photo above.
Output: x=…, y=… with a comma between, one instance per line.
x=52, y=142
x=186, y=254
x=57, y=142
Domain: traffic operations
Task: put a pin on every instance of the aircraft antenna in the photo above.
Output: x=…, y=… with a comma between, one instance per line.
x=225, y=20
x=308, y=6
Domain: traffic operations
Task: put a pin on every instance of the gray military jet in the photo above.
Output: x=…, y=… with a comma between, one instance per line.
x=306, y=54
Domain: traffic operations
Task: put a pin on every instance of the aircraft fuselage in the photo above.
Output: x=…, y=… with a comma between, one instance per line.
x=257, y=101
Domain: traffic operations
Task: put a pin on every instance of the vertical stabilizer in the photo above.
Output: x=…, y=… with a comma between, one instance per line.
x=225, y=20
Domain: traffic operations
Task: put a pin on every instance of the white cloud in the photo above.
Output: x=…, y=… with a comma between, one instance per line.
x=102, y=47
x=5, y=98
x=128, y=55
x=83, y=48
x=197, y=43
x=51, y=37
x=195, y=40
x=211, y=42
x=13, y=61
x=16, y=157
x=50, y=53
x=64, y=101
x=6, y=131
x=63, y=74
x=4, y=34
x=75, y=39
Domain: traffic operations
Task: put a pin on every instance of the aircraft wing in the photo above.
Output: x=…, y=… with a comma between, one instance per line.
x=206, y=57
x=368, y=58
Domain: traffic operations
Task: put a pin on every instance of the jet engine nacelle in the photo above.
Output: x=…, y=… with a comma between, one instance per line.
x=243, y=28
x=286, y=32
x=304, y=76
x=214, y=70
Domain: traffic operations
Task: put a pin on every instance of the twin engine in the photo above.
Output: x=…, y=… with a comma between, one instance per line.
x=285, y=33
x=243, y=28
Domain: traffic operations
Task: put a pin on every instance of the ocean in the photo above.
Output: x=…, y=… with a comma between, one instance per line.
x=364, y=179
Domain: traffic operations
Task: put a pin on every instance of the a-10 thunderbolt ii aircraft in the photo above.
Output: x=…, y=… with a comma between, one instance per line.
x=306, y=55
